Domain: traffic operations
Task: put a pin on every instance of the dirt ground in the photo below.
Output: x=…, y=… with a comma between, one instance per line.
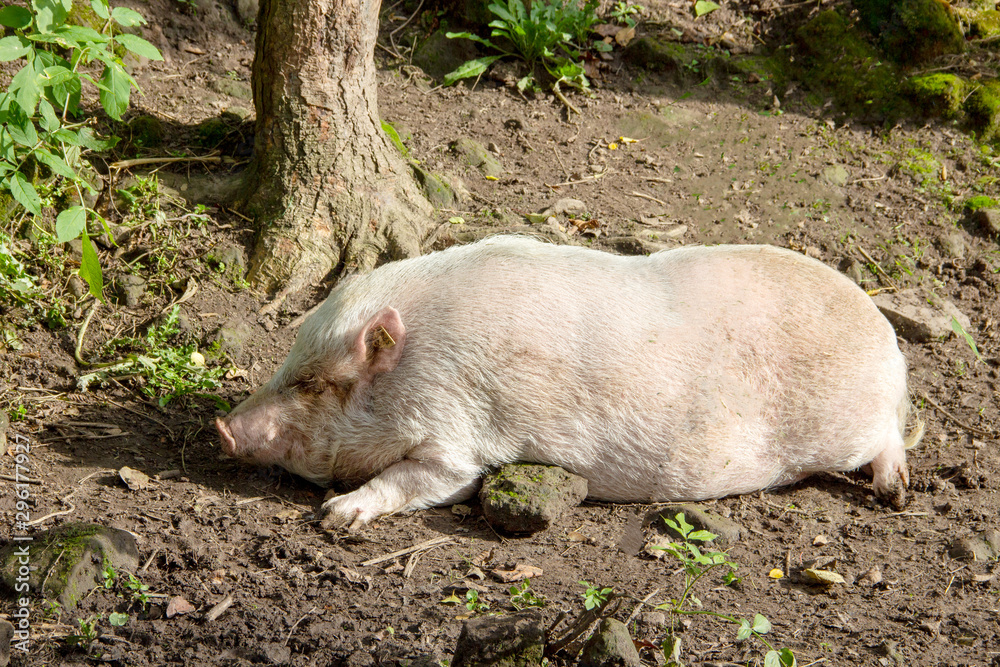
x=718, y=163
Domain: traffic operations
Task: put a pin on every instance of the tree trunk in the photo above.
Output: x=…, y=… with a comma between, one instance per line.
x=327, y=187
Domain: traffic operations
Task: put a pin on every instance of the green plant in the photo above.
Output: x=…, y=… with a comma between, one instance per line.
x=15, y=284
x=595, y=597
x=39, y=130
x=623, y=11
x=696, y=565
x=109, y=576
x=523, y=596
x=140, y=591
x=165, y=372
x=87, y=633
x=549, y=34
x=472, y=602
x=117, y=619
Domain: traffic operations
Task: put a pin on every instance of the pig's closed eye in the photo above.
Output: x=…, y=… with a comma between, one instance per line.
x=310, y=384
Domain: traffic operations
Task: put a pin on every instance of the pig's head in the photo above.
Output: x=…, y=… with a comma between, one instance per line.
x=316, y=400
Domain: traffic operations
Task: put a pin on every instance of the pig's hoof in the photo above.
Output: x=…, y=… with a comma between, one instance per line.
x=337, y=516
x=893, y=493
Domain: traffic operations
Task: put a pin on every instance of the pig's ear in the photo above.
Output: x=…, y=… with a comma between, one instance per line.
x=380, y=344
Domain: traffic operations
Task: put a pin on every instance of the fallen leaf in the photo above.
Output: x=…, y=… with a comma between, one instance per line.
x=452, y=599
x=577, y=536
x=178, y=606
x=825, y=577
x=197, y=359
x=288, y=515
x=134, y=479
x=821, y=541
x=607, y=29
x=624, y=36
x=776, y=574
x=519, y=572
x=655, y=546
x=461, y=510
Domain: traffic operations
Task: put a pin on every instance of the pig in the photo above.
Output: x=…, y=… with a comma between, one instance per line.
x=689, y=374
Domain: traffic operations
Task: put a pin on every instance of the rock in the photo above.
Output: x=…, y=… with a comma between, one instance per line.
x=567, y=206
x=74, y=248
x=728, y=532
x=128, y=290
x=872, y=577
x=247, y=11
x=77, y=286
x=517, y=640
x=438, y=192
x=438, y=55
x=178, y=606
x=855, y=271
x=529, y=498
x=836, y=175
x=987, y=219
x=953, y=245
x=982, y=547
x=136, y=480
x=232, y=87
x=919, y=317
x=71, y=560
x=230, y=259
x=146, y=131
x=6, y=634
x=610, y=646
x=229, y=338
x=475, y=155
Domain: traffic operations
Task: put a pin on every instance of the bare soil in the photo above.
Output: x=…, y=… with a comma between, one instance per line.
x=718, y=163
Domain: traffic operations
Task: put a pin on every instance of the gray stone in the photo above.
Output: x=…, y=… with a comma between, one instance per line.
x=567, y=206
x=953, y=245
x=74, y=248
x=988, y=219
x=528, y=498
x=855, y=271
x=6, y=634
x=517, y=640
x=438, y=55
x=230, y=337
x=230, y=258
x=728, y=532
x=984, y=546
x=247, y=11
x=919, y=317
x=475, y=155
x=71, y=560
x=610, y=646
x=128, y=290
x=836, y=174
x=226, y=86
x=438, y=192
x=77, y=286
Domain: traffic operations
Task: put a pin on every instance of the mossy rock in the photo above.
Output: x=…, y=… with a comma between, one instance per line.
x=912, y=31
x=438, y=191
x=937, y=94
x=656, y=54
x=984, y=24
x=983, y=110
x=69, y=561
x=836, y=60
x=522, y=498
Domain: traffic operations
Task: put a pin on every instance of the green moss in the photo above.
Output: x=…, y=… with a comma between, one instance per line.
x=937, y=94
x=983, y=109
x=657, y=54
x=837, y=61
x=973, y=204
x=985, y=24
x=912, y=31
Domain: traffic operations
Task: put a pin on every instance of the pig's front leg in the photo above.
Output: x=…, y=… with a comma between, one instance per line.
x=409, y=484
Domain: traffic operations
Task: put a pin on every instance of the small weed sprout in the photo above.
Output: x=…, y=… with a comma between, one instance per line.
x=595, y=597
x=117, y=619
x=523, y=597
x=472, y=602
x=87, y=633
x=624, y=12
x=697, y=564
x=109, y=575
x=140, y=591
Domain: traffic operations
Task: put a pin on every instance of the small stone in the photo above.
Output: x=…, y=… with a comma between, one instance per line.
x=953, y=245
x=987, y=219
x=128, y=290
x=77, y=286
x=518, y=639
x=610, y=646
x=824, y=577
x=134, y=479
x=475, y=155
x=920, y=317
x=821, y=541
x=529, y=498
x=4, y=426
x=873, y=577
x=178, y=606
x=568, y=207
x=836, y=175
x=728, y=532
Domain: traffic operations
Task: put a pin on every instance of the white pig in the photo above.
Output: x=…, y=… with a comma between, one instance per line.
x=690, y=374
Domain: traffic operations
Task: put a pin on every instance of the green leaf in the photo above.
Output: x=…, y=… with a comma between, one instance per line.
x=91, y=141
x=702, y=536
x=116, y=87
x=70, y=223
x=745, y=630
x=100, y=8
x=50, y=121
x=55, y=76
x=117, y=618
x=761, y=625
x=24, y=193
x=80, y=35
x=474, y=38
x=139, y=46
x=6, y=146
x=960, y=331
x=90, y=269
x=50, y=14
x=127, y=17
x=470, y=68
x=782, y=658
x=21, y=129
x=17, y=18
x=56, y=164
x=13, y=47
x=26, y=85
x=67, y=136
x=703, y=7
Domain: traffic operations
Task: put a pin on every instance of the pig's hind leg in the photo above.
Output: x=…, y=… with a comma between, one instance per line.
x=890, y=476
x=407, y=485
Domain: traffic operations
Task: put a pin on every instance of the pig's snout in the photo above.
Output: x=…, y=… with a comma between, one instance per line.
x=228, y=441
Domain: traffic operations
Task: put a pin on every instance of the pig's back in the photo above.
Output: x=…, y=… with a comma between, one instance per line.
x=692, y=373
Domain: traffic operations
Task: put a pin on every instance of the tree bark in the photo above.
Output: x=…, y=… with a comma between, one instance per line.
x=328, y=189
